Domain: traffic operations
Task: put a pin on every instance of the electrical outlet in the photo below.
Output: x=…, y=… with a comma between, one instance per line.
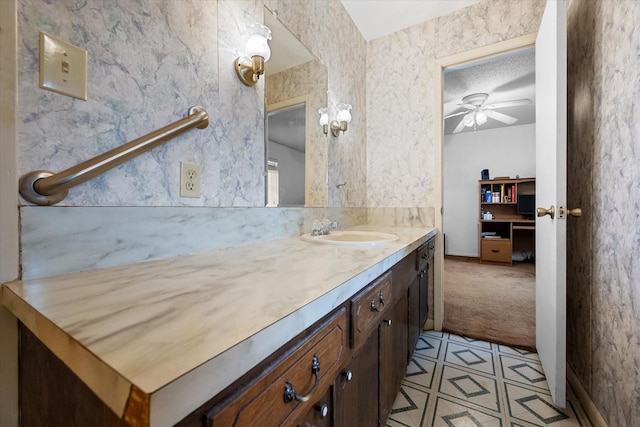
x=189, y=180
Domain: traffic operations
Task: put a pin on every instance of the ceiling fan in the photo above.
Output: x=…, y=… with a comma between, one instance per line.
x=477, y=112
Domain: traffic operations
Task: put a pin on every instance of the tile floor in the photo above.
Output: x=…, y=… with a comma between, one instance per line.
x=455, y=381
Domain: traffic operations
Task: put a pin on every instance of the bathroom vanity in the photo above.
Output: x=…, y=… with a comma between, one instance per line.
x=279, y=333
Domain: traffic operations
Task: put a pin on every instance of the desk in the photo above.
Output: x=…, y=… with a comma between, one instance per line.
x=510, y=230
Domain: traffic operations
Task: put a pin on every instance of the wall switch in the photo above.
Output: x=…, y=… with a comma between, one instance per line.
x=189, y=180
x=63, y=67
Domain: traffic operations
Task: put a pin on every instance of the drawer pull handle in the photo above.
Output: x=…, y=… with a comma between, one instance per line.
x=373, y=303
x=495, y=250
x=290, y=393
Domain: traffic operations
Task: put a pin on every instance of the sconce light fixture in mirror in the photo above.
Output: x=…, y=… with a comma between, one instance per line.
x=342, y=119
x=324, y=119
x=250, y=66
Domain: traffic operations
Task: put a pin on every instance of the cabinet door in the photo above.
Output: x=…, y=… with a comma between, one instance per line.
x=356, y=389
x=321, y=415
x=393, y=356
x=414, y=325
x=431, y=281
x=423, y=286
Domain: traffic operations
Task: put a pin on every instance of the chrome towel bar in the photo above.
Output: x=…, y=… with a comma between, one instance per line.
x=47, y=188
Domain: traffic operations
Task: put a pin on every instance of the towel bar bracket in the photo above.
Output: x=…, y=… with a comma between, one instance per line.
x=28, y=192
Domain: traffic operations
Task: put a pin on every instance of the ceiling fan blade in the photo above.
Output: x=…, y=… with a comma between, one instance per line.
x=469, y=106
x=456, y=114
x=460, y=126
x=514, y=103
x=501, y=117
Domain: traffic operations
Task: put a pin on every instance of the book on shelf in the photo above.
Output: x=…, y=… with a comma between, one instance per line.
x=489, y=233
x=492, y=237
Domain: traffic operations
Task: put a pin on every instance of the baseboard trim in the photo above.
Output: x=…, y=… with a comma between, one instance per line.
x=463, y=258
x=588, y=405
x=428, y=325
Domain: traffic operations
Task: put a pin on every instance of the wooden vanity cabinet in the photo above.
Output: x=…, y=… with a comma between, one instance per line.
x=393, y=355
x=362, y=348
x=356, y=388
x=426, y=280
x=288, y=390
x=381, y=350
x=321, y=413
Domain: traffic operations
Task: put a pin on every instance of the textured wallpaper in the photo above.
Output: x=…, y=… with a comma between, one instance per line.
x=603, y=270
x=400, y=68
x=149, y=61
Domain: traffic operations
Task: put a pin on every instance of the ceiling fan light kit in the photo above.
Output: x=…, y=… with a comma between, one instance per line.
x=478, y=113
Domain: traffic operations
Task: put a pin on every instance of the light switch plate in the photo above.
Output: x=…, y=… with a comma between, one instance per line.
x=63, y=67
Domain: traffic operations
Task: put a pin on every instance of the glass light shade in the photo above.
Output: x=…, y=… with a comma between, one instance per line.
x=324, y=116
x=258, y=44
x=468, y=120
x=344, y=114
x=481, y=117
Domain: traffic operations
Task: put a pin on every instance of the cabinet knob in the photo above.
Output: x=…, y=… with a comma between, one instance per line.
x=348, y=375
x=323, y=408
x=387, y=321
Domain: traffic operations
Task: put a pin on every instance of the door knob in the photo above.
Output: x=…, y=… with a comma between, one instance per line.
x=574, y=212
x=551, y=212
x=563, y=212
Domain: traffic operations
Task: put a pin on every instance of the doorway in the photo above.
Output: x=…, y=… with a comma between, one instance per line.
x=458, y=60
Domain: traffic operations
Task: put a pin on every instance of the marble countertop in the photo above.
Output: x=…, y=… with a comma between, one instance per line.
x=175, y=332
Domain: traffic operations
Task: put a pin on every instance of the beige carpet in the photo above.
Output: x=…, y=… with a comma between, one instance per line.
x=491, y=302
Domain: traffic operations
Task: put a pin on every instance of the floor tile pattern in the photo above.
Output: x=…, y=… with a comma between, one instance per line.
x=454, y=381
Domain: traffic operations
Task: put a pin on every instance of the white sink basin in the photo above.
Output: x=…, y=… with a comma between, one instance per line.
x=352, y=238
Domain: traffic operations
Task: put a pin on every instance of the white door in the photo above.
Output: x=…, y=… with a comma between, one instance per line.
x=551, y=190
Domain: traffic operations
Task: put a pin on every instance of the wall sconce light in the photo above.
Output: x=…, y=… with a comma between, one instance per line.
x=324, y=119
x=251, y=66
x=342, y=119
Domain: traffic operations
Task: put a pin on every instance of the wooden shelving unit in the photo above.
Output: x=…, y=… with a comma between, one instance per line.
x=509, y=230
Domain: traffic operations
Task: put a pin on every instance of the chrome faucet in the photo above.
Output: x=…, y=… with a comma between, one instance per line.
x=324, y=227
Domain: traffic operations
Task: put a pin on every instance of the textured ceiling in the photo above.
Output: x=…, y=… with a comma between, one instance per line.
x=287, y=127
x=504, y=78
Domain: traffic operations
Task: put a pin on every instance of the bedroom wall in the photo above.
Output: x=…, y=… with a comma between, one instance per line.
x=291, y=171
x=506, y=151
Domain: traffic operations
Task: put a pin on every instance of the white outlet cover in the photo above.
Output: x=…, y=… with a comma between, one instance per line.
x=63, y=67
x=190, y=177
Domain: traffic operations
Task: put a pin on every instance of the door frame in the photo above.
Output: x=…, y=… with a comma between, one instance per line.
x=9, y=210
x=462, y=58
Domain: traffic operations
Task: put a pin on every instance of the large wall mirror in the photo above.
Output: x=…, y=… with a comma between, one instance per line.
x=296, y=147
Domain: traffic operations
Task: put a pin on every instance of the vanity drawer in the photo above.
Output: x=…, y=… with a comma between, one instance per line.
x=498, y=250
x=271, y=399
x=368, y=307
x=425, y=252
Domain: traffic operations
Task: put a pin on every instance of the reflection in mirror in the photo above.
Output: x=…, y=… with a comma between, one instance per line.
x=295, y=89
x=286, y=151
